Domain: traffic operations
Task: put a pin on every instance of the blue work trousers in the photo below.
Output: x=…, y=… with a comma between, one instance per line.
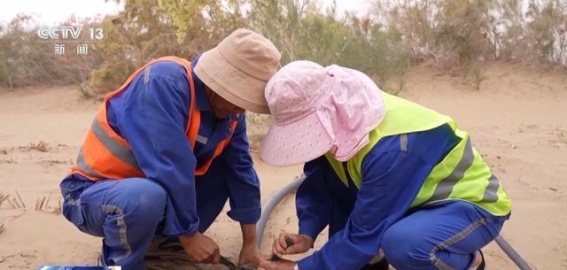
x=441, y=236
x=127, y=213
x=444, y=235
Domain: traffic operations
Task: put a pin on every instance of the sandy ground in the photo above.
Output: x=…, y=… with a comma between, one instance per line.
x=518, y=120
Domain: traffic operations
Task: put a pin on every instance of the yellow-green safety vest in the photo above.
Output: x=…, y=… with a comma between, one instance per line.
x=461, y=175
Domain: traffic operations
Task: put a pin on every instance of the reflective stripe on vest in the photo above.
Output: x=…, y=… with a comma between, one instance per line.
x=106, y=155
x=461, y=175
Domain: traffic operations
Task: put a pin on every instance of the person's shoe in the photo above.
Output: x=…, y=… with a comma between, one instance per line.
x=379, y=265
x=482, y=264
x=99, y=261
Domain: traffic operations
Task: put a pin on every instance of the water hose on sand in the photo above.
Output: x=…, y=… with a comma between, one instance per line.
x=291, y=187
x=512, y=254
x=274, y=201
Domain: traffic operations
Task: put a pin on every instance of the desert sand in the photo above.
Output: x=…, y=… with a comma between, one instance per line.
x=517, y=120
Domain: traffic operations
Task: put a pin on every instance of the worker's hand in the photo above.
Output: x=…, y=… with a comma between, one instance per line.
x=250, y=255
x=301, y=243
x=281, y=264
x=201, y=248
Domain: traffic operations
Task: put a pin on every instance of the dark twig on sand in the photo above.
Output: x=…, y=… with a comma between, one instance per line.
x=3, y=198
x=22, y=201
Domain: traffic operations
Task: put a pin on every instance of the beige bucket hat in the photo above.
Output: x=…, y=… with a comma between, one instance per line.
x=239, y=68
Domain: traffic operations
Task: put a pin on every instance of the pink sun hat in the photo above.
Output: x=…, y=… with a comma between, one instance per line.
x=317, y=109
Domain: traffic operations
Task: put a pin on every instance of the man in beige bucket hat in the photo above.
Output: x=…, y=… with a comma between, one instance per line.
x=166, y=151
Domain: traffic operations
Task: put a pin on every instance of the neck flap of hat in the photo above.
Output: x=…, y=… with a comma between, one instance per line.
x=354, y=107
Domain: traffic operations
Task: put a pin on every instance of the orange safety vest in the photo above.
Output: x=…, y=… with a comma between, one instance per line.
x=106, y=155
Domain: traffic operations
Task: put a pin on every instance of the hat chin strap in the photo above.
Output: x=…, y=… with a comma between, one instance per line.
x=349, y=153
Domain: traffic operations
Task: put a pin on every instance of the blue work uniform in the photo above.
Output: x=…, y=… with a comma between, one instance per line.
x=152, y=115
x=379, y=216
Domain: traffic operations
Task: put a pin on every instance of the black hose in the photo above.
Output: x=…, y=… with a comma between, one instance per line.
x=291, y=187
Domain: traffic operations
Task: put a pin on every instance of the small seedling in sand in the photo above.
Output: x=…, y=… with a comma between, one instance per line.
x=6, y=198
x=41, y=146
x=15, y=203
x=42, y=204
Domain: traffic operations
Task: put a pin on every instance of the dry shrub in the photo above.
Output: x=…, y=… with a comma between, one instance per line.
x=457, y=35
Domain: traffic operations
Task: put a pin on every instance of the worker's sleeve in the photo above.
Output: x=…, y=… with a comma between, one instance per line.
x=242, y=179
x=154, y=121
x=390, y=182
x=312, y=200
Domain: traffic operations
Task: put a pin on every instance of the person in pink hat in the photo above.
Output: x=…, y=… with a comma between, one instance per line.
x=395, y=182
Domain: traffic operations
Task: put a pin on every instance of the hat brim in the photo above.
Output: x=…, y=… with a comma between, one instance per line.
x=295, y=143
x=230, y=83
